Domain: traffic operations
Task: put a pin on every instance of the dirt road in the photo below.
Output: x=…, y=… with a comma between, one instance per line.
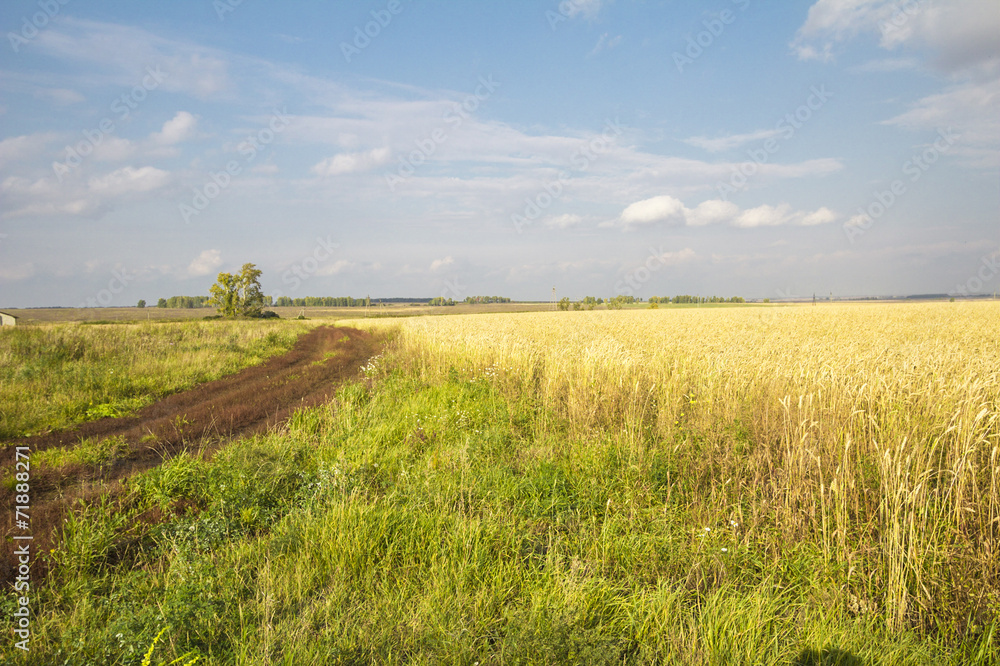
x=250, y=401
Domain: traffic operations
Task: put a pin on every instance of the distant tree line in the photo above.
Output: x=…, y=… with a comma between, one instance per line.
x=321, y=301
x=473, y=300
x=588, y=303
x=696, y=299
x=616, y=303
x=440, y=300
x=182, y=302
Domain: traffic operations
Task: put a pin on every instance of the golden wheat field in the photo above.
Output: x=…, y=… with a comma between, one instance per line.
x=870, y=431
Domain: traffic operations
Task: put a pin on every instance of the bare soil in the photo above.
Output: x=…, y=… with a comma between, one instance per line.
x=251, y=401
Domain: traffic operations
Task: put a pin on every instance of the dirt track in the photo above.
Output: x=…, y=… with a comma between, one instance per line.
x=248, y=402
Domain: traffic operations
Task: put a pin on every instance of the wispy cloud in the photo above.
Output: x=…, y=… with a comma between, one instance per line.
x=79, y=196
x=605, y=43
x=887, y=65
x=60, y=96
x=723, y=143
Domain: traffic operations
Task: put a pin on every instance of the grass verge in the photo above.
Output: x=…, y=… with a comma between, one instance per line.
x=55, y=376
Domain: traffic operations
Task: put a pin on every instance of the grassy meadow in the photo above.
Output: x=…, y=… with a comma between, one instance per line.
x=57, y=375
x=795, y=485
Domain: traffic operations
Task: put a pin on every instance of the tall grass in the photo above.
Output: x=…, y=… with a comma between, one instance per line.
x=54, y=376
x=432, y=523
x=868, y=431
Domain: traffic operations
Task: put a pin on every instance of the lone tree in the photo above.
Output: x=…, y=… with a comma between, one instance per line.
x=238, y=295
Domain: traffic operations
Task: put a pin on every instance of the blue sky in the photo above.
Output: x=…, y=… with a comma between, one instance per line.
x=425, y=148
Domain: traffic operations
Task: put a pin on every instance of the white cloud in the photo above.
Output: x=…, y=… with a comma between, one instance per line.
x=17, y=148
x=352, y=162
x=649, y=211
x=205, y=263
x=961, y=34
x=678, y=257
x=970, y=110
x=822, y=216
x=959, y=37
x=337, y=267
x=129, y=179
x=764, y=216
x=115, y=149
x=715, y=211
x=565, y=221
x=440, y=264
x=179, y=128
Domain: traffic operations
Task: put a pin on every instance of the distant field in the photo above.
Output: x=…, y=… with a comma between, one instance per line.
x=56, y=375
x=30, y=316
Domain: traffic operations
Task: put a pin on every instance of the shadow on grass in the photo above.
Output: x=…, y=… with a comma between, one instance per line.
x=828, y=657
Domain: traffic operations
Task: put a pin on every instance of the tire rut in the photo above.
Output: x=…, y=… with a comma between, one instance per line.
x=248, y=402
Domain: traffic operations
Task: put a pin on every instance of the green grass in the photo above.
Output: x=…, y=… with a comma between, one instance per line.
x=91, y=452
x=451, y=521
x=56, y=376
